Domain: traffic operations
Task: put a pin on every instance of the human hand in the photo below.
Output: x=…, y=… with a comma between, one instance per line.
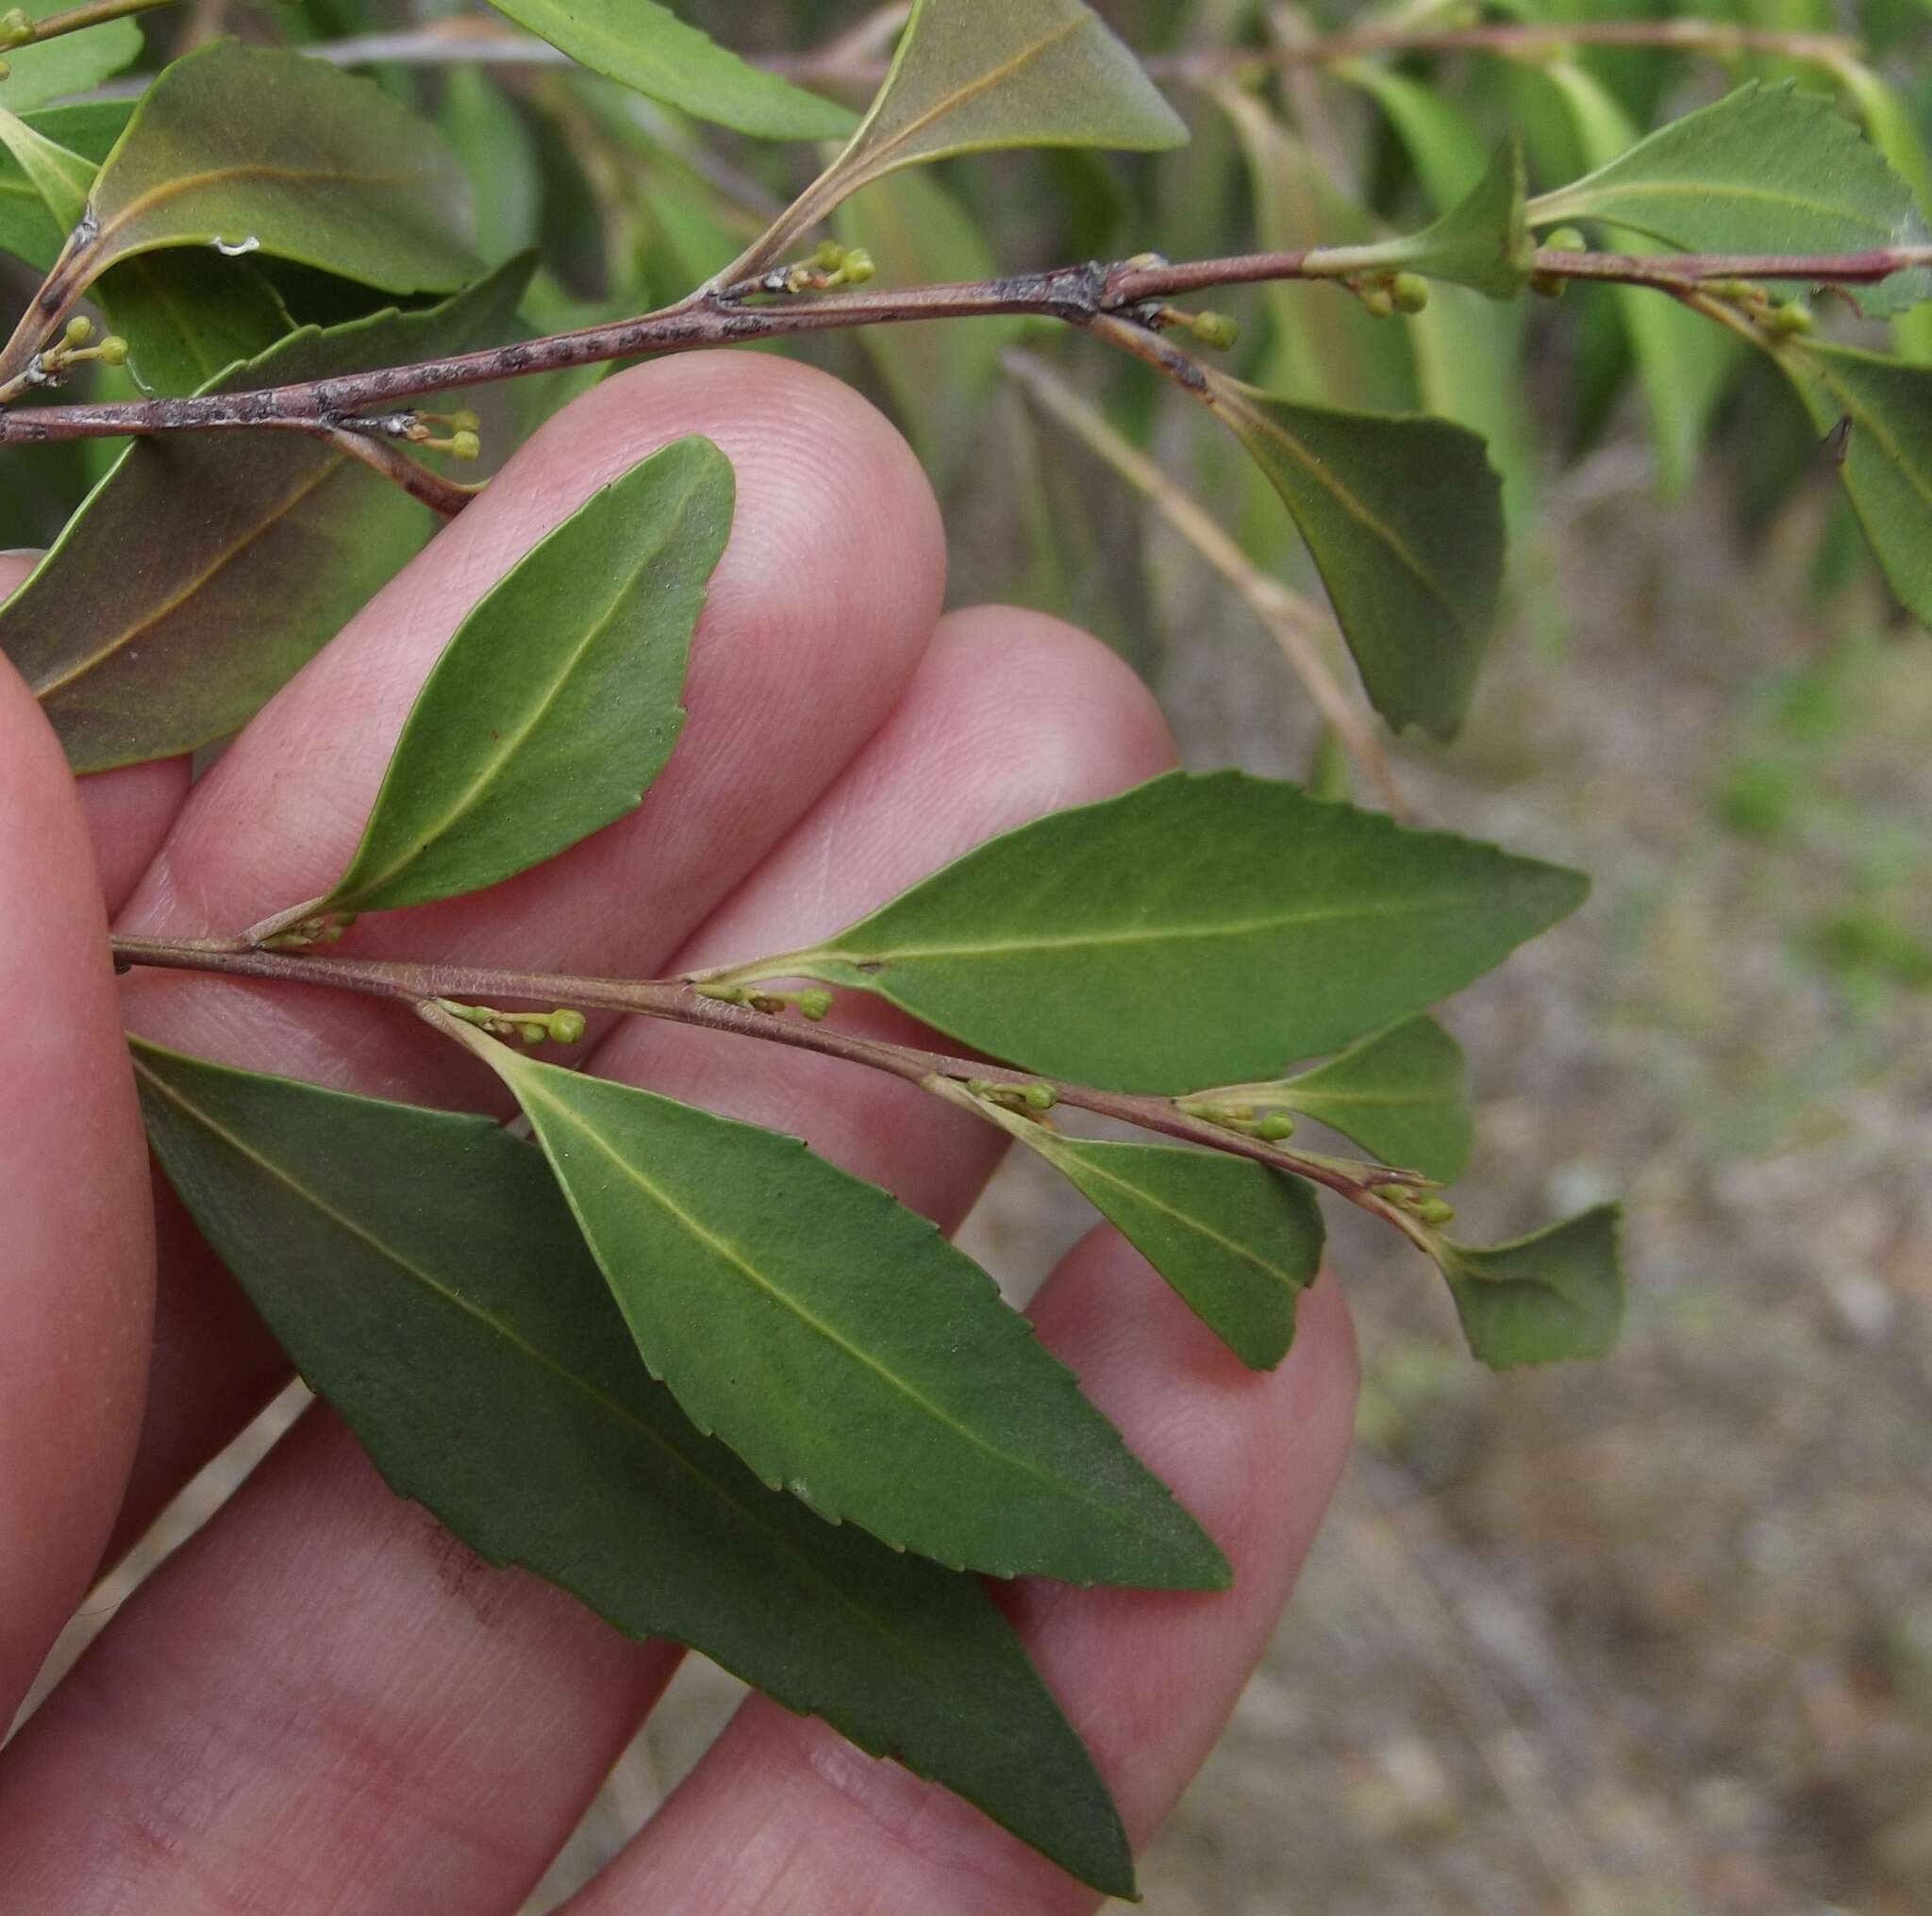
x=321, y=1702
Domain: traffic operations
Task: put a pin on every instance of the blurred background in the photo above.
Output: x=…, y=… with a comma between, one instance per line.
x=1649, y=1636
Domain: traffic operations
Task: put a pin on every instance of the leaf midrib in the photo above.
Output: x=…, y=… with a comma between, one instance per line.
x=526, y=1085
x=1158, y=935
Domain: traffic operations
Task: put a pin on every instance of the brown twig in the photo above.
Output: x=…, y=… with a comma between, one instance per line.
x=442, y=495
x=1103, y=299
x=77, y=19
x=672, y=999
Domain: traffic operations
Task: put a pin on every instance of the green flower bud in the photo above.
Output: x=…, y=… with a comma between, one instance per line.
x=465, y=421
x=1040, y=1097
x=1566, y=239
x=1275, y=1128
x=567, y=1027
x=1215, y=330
x=1794, y=317
x=534, y=1035
x=16, y=29
x=113, y=350
x=1433, y=1211
x=814, y=1004
x=80, y=331
x=1378, y=299
x=858, y=266
x=464, y=445
x=1409, y=290
x=830, y=256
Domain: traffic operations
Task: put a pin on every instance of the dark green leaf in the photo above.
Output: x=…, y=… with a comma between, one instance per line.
x=1238, y=1241
x=1893, y=129
x=843, y=1348
x=1401, y=1094
x=274, y=151
x=67, y=64
x=1196, y=930
x=206, y=567
x=1542, y=1299
x=648, y=47
x=1887, y=453
x=989, y=74
x=1403, y=516
x=554, y=705
x=425, y=1277
x=189, y=316
x=1764, y=170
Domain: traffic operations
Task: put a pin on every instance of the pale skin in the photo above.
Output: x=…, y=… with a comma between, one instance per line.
x=321, y=1702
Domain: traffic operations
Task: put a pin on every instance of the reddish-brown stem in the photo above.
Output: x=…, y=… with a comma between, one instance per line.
x=672, y=999
x=443, y=496
x=1081, y=295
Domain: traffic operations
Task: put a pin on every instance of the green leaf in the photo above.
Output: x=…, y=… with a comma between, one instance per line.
x=28, y=226
x=1888, y=452
x=974, y=76
x=1890, y=127
x=1542, y=1299
x=189, y=316
x=1237, y=1242
x=1403, y=516
x=425, y=1275
x=554, y=705
x=60, y=178
x=274, y=151
x=498, y=152
x=207, y=567
x=843, y=1348
x=1764, y=170
x=1401, y=1094
x=1483, y=241
x=646, y=46
x=1196, y=930
x=67, y=64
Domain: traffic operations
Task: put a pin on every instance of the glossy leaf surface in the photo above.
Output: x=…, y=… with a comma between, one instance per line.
x=554, y=705
x=1540, y=1299
x=206, y=567
x=1401, y=1094
x=274, y=151
x=1886, y=462
x=648, y=47
x=1200, y=929
x=67, y=64
x=425, y=1275
x=844, y=1349
x=1238, y=1241
x=1403, y=517
x=1766, y=169
x=29, y=227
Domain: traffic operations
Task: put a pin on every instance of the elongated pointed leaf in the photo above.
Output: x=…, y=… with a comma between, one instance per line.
x=972, y=75
x=29, y=228
x=1196, y=930
x=1887, y=461
x=844, y=1349
x=554, y=705
x=648, y=47
x=1238, y=1241
x=274, y=151
x=1403, y=517
x=1542, y=1299
x=1401, y=1094
x=67, y=64
x=1483, y=241
x=1766, y=169
x=60, y=178
x=425, y=1275
x=206, y=567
